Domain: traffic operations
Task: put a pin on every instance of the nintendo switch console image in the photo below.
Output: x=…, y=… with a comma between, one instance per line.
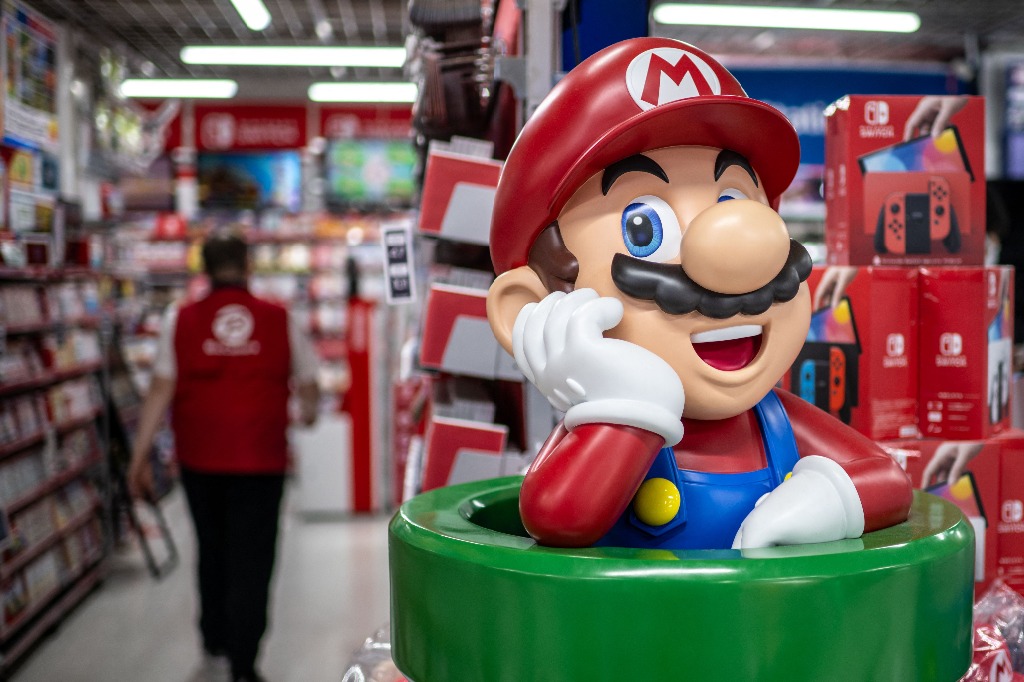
x=826, y=369
x=942, y=154
x=908, y=222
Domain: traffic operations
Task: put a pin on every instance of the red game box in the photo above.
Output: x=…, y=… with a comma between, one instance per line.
x=859, y=361
x=966, y=351
x=990, y=493
x=895, y=196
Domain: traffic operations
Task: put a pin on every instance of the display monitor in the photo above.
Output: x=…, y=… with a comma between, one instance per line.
x=250, y=180
x=941, y=154
x=833, y=325
x=370, y=173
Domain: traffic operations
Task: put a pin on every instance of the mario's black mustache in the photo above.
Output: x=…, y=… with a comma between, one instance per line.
x=668, y=285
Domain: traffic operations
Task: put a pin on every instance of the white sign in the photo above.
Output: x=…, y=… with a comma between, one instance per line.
x=398, y=263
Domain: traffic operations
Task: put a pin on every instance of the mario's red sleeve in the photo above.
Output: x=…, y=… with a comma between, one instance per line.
x=885, y=490
x=582, y=481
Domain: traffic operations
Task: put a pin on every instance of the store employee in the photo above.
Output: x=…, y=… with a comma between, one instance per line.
x=226, y=366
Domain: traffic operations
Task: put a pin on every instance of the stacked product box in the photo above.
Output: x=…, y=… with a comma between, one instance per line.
x=905, y=187
x=481, y=420
x=900, y=193
x=990, y=492
x=859, y=361
x=966, y=351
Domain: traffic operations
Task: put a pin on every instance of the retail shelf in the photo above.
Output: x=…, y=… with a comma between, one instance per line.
x=49, y=378
x=287, y=273
x=81, y=585
x=51, y=325
x=78, y=422
x=16, y=446
x=77, y=370
x=24, y=558
x=58, y=480
x=42, y=274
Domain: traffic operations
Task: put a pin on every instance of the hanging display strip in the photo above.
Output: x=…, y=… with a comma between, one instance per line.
x=30, y=77
x=894, y=604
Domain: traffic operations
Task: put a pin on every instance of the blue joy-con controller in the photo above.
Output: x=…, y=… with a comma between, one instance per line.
x=807, y=381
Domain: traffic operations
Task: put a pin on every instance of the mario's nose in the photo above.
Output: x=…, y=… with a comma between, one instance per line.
x=735, y=247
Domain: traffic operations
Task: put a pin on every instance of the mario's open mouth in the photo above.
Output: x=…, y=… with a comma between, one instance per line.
x=730, y=348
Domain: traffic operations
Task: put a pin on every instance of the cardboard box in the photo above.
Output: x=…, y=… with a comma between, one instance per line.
x=460, y=450
x=859, y=361
x=996, y=474
x=966, y=351
x=457, y=338
x=894, y=202
x=458, y=196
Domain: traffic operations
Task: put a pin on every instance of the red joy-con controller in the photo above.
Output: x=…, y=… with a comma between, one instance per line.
x=909, y=222
x=895, y=223
x=836, y=379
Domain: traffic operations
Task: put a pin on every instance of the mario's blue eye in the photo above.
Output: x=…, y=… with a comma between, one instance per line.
x=650, y=229
x=728, y=194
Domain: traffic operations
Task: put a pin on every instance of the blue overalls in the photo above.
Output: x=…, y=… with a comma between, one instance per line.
x=712, y=506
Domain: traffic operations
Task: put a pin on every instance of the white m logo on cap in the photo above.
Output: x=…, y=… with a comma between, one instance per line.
x=667, y=74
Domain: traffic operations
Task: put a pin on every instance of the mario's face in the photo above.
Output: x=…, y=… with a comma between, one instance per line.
x=685, y=238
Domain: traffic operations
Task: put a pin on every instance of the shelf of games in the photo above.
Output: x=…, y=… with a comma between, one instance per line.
x=52, y=463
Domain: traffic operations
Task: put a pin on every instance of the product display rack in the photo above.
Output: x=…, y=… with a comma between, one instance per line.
x=52, y=460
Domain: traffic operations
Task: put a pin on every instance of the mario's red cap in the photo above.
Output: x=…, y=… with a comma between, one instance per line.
x=635, y=96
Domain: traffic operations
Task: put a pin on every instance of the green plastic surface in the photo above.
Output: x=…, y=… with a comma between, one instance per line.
x=473, y=599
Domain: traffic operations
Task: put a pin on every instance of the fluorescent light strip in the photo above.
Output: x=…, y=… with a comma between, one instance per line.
x=189, y=88
x=288, y=55
x=787, y=17
x=253, y=12
x=363, y=92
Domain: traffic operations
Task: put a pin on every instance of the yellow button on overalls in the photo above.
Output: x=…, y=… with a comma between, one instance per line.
x=657, y=502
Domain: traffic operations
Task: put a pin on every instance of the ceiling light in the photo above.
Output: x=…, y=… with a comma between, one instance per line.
x=253, y=12
x=363, y=92
x=787, y=17
x=187, y=88
x=292, y=55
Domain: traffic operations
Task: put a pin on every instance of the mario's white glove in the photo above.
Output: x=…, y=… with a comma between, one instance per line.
x=559, y=345
x=818, y=503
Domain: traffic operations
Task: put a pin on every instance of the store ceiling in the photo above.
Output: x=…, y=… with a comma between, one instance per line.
x=155, y=30
x=950, y=29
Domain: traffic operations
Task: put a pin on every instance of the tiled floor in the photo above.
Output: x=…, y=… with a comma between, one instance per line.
x=330, y=593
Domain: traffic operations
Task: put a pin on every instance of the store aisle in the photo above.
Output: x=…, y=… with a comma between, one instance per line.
x=330, y=593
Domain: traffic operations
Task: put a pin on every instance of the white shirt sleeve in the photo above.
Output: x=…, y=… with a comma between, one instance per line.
x=165, y=364
x=304, y=357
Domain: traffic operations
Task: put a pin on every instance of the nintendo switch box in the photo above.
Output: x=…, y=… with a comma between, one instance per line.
x=895, y=194
x=990, y=493
x=858, y=361
x=966, y=352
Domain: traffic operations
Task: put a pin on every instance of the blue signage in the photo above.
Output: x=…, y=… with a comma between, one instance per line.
x=803, y=93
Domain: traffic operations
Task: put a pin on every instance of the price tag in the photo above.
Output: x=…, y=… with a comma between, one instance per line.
x=398, y=263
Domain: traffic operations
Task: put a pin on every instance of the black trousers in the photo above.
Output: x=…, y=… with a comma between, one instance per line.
x=236, y=521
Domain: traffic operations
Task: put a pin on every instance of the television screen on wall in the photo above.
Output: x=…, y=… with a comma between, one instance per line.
x=250, y=180
x=370, y=173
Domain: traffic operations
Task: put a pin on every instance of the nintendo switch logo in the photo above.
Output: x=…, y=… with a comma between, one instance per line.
x=217, y=131
x=1013, y=511
x=895, y=345
x=993, y=288
x=951, y=344
x=876, y=113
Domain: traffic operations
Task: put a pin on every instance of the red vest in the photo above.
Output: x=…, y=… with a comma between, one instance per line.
x=230, y=410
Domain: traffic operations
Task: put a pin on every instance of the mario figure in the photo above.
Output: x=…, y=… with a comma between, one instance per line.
x=640, y=253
